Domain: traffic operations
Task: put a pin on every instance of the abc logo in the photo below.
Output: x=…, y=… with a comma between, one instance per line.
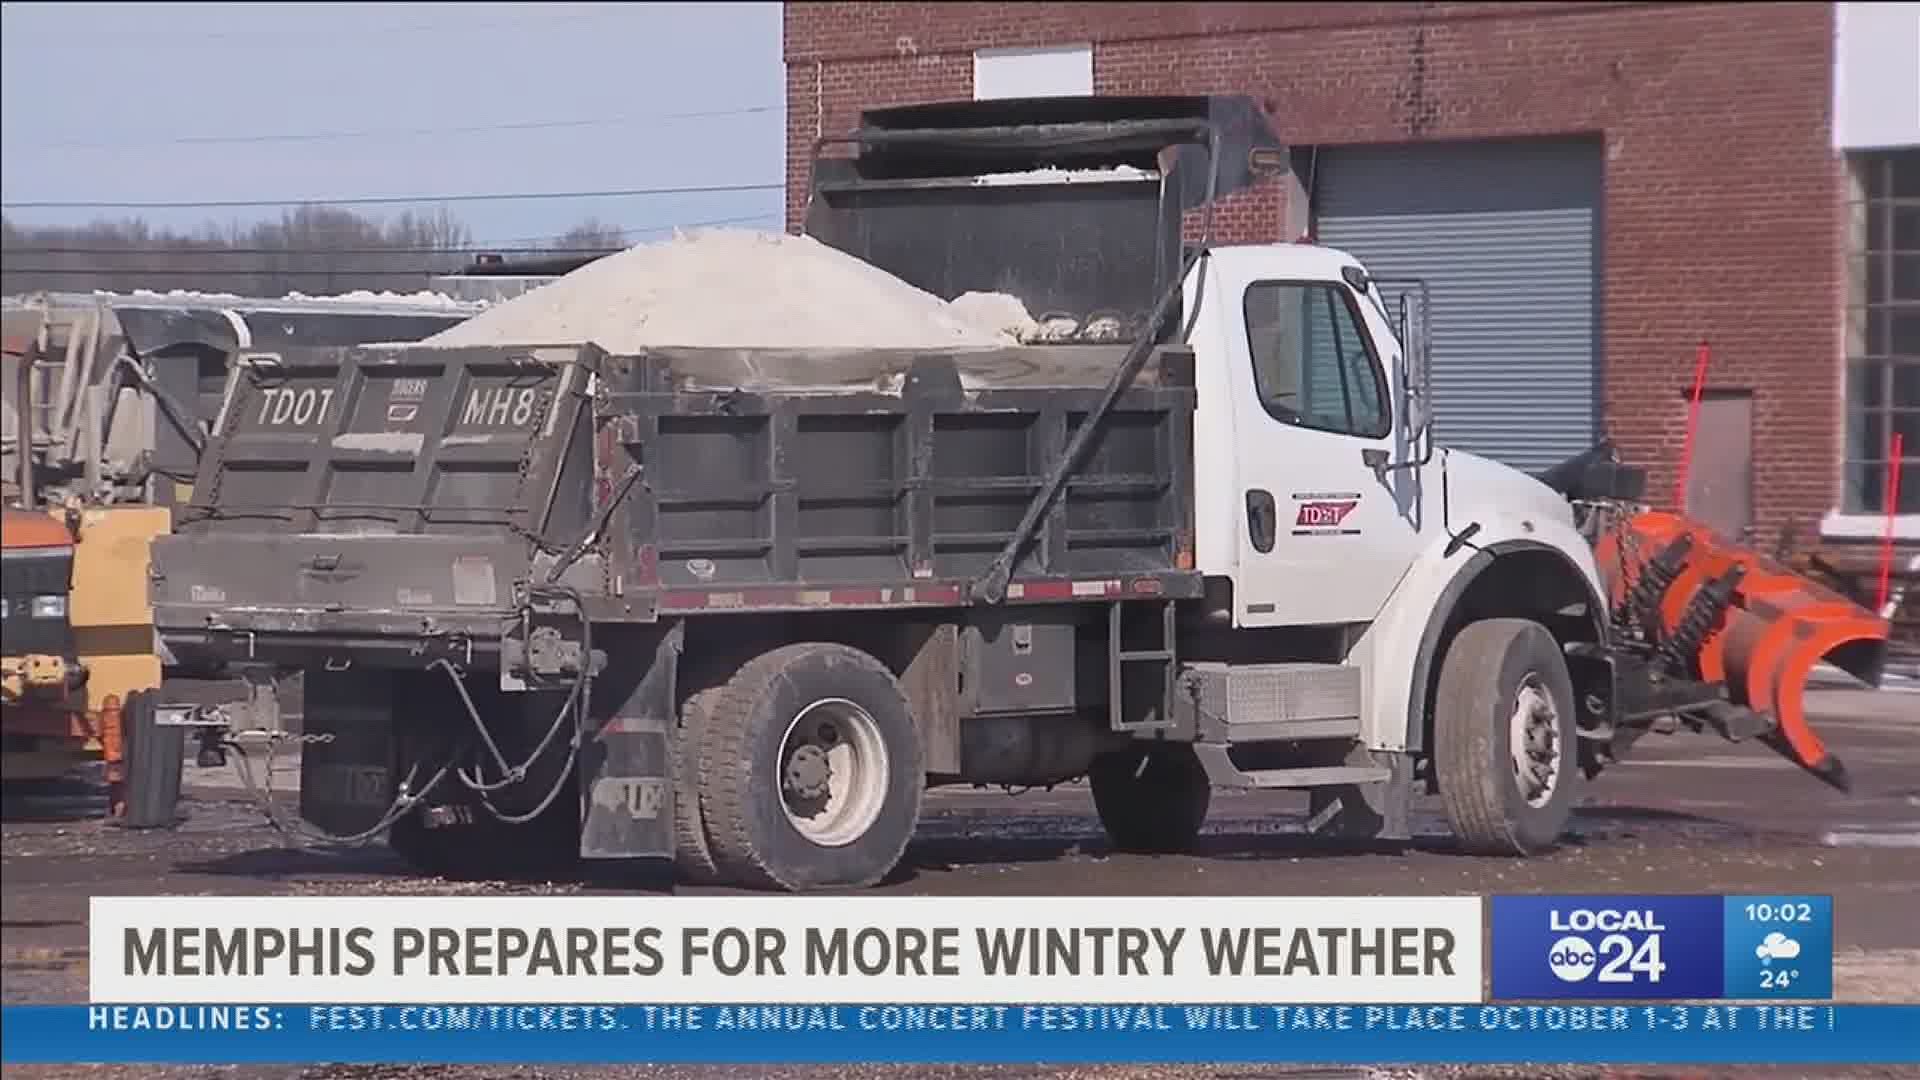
x=1571, y=959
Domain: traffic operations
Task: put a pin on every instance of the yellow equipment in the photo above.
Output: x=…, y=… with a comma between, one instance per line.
x=79, y=673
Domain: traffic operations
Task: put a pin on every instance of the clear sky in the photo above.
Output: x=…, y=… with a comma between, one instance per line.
x=168, y=102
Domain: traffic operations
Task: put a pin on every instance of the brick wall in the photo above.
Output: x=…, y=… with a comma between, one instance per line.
x=1722, y=199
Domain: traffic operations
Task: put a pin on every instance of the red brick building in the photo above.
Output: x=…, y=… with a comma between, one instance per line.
x=1622, y=182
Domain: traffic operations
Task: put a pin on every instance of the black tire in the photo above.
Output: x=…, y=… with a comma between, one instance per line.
x=742, y=798
x=491, y=850
x=692, y=854
x=1481, y=680
x=155, y=756
x=434, y=852
x=1152, y=798
x=475, y=852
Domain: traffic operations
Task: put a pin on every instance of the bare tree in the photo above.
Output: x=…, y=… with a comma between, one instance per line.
x=315, y=250
x=438, y=231
x=592, y=235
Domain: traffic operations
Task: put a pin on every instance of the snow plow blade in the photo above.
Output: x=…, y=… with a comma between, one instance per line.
x=1735, y=619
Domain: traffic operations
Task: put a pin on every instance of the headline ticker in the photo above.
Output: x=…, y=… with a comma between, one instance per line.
x=627, y=950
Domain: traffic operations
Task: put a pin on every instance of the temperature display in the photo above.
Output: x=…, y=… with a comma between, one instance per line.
x=1779, y=946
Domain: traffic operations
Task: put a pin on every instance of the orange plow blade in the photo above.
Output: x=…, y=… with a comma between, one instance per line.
x=1730, y=617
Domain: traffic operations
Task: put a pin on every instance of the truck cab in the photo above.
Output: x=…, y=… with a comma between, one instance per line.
x=1322, y=496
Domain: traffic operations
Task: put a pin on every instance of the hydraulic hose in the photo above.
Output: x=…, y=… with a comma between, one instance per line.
x=577, y=703
x=403, y=802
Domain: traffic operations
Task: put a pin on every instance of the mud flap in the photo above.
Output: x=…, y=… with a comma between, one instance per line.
x=1379, y=811
x=346, y=775
x=626, y=786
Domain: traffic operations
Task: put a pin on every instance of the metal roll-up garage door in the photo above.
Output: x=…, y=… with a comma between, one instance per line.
x=1506, y=235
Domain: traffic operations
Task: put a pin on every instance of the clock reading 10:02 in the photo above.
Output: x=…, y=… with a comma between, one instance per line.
x=1784, y=911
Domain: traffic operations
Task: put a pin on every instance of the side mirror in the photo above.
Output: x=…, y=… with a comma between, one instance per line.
x=1416, y=364
x=1414, y=402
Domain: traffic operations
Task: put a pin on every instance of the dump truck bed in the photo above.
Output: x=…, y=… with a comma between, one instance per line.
x=380, y=498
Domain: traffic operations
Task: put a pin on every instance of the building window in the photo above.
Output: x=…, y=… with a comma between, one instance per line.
x=1883, y=330
x=1312, y=363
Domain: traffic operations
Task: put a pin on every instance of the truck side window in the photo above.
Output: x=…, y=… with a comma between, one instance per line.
x=1312, y=363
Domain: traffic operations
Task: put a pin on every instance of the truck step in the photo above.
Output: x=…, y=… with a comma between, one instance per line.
x=1243, y=703
x=1222, y=772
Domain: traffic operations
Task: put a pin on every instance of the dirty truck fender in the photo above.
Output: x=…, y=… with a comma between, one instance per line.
x=1399, y=650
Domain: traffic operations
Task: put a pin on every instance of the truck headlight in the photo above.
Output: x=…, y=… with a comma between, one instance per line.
x=49, y=607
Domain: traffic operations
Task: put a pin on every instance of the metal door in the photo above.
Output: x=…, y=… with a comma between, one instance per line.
x=1506, y=233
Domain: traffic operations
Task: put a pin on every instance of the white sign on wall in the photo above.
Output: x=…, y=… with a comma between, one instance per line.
x=1053, y=71
x=1876, y=76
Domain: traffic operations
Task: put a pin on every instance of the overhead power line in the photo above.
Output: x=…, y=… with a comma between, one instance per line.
x=381, y=133
x=175, y=35
x=210, y=271
x=531, y=242
x=390, y=200
x=197, y=252
x=195, y=247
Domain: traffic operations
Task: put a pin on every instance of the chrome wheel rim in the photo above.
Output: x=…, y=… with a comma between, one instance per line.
x=1533, y=741
x=833, y=772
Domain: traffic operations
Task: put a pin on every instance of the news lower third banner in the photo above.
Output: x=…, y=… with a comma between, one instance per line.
x=1353, y=980
x=627, y=950
x=744, y=1034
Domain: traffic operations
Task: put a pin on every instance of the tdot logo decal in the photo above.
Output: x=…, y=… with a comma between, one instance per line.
x=1324, y=514
x=1606, y=946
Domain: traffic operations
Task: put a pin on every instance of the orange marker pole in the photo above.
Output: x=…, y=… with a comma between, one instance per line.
x=1893, y=509
x=1693, y=421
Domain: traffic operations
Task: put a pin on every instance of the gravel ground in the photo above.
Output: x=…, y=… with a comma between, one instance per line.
x=1687, y=814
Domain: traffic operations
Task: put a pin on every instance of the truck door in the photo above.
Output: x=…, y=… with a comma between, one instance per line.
x=1325, y=534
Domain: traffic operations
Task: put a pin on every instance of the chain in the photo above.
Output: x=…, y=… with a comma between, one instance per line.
x=1627, y=542
x=1600, y=520
x=295, y=831
x=281, y=736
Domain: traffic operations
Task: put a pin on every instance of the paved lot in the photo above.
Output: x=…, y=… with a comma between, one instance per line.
x=1687, y=814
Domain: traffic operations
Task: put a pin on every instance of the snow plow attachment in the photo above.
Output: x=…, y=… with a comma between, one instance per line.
x=1715, y=611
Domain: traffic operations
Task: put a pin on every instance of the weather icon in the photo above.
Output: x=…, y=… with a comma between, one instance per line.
x=1776, y=946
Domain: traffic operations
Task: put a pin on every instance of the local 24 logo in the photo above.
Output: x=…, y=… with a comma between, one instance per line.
x=1616, y=957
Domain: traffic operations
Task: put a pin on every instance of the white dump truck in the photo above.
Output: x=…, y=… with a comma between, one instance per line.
x=740, y=608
